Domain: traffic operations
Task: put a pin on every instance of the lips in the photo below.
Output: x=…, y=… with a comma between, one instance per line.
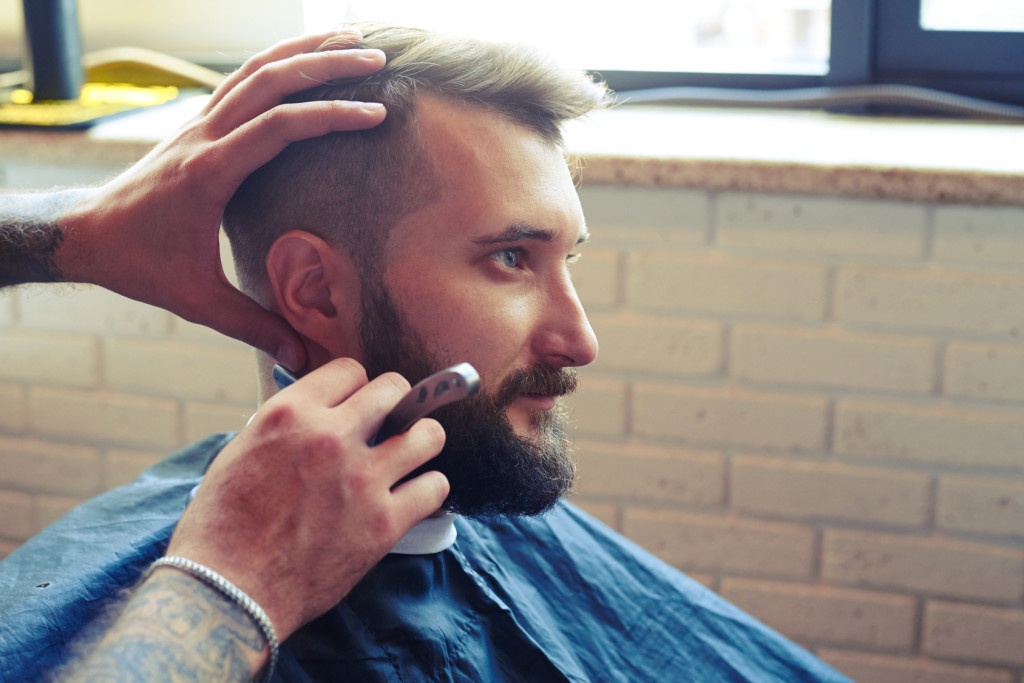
x=537, y=401
x=540, y=385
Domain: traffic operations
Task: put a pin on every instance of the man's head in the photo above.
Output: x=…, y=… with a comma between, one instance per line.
x=443, y=235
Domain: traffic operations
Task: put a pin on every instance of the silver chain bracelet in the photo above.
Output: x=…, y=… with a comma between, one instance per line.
x=233, y=593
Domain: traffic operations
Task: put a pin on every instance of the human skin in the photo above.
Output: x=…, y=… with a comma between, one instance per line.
x=294, y=511
x=482, y=275
x=151, y=233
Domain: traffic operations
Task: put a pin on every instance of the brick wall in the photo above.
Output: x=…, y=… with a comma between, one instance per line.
x=813, y=405
x=816, y=407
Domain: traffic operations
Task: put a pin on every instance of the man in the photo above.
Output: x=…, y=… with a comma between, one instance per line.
x=460, y=250
x=151, y=234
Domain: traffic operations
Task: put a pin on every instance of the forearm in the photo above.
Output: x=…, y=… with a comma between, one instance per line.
x=174, y=628
x=31, y=234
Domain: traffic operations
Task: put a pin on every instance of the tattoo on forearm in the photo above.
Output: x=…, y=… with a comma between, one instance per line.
x=174, y=629
x=30, y=234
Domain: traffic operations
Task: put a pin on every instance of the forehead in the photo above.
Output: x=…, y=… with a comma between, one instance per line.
x=493, y=173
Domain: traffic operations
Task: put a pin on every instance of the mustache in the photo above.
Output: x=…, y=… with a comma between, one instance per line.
x=542, y=379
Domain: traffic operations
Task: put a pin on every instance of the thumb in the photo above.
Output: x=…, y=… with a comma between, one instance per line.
x=231, y=312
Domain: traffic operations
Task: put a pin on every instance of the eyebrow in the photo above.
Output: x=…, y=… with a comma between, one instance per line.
x=518, y=232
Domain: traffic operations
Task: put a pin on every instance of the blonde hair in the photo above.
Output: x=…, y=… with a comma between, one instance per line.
x=352, y=188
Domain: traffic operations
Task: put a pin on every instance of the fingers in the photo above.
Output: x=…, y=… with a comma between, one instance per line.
x=272, y=83
x=279, y=52
x=258, y=141
x=405, y=452
x=236, y=315
x=332, y=384
x=372, y=403
x=419, y=498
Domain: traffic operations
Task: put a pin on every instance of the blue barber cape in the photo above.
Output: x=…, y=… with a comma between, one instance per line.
x=558, y=597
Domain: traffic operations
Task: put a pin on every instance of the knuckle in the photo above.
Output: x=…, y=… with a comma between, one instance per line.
x=379, y=520
x=325, y=444
x=394, y=381
x=433, y=434
x=251, y=65
x=349, y=366
x=272, y=119
x=358, y=480
x=278, y=415
x=264, y=75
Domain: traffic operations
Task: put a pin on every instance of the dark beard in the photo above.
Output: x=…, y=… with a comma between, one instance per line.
x=491, y=469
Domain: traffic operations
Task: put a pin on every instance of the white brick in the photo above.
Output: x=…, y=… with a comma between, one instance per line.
x=7, y=547
x=48, y=509
x=809, y=490
x=933, y=299
x=979, y=234
x=650, y=474
x=123, y=467
x=985, y=371
x=649, y=217
x=31, y=175
x=730, y=416
x=974, y=634
x=985, y=506
x=713, y=283
x=597, y=277
x=15, y=515
x=872, y=668
x=934, y=566
x=942, y=434
x=204, y=419
x=105, y=417
x=84, y=308
x=820, y=225
x=66, y=359
x=711, y=544
x=832, y=357
x=13, y=409
x=7, y=316
x=179, y=370
x=30, y=465
x=598, y=408
x=826, y=615
x=659, y=345
x=191, y=333
x=603, y=512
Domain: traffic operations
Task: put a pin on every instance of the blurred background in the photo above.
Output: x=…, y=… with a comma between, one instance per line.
x=810, y=392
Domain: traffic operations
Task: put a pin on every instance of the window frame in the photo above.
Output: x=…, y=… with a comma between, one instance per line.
x=880, y=42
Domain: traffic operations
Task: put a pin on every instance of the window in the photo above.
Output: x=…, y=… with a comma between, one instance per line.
x=953, y=46
x=994, y=16
x=972, y=48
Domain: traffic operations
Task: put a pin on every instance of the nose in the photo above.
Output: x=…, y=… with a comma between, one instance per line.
x=565, y=337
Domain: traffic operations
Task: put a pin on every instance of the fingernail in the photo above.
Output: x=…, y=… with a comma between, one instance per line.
x=371, y=53
x=372, y=107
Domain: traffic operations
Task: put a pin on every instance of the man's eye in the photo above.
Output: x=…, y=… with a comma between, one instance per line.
x=508, y=257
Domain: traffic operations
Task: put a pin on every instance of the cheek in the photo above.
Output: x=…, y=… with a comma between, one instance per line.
x=488, y=331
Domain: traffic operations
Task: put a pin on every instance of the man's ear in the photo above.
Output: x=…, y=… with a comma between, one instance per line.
x=316, y=289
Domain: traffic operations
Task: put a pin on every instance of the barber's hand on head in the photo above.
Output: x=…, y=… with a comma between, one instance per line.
x=152, y=233
x=297, y=508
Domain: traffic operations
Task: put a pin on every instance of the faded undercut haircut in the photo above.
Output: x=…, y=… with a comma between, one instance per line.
x=351, y=188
